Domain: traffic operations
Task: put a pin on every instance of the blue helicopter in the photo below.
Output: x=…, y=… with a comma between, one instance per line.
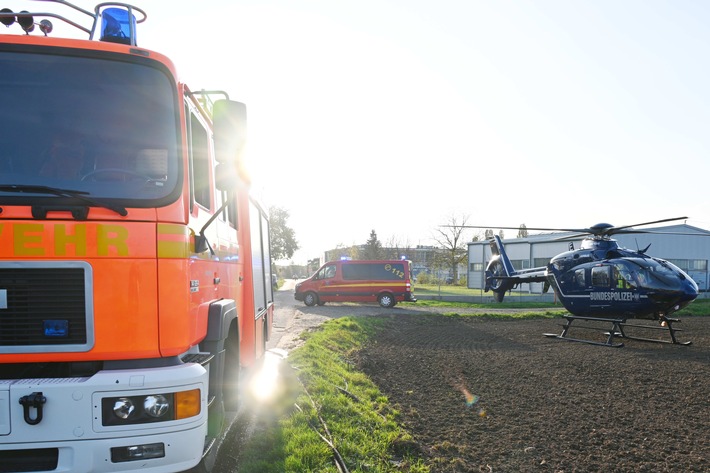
x=602, y=282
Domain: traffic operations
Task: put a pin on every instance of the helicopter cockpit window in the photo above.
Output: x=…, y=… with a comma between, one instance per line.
x=579, y=278
x=600, y=276
x=622, y=277
x=652, y=273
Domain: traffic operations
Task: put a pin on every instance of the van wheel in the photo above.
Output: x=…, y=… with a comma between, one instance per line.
x=386, y=300
x=310, y=299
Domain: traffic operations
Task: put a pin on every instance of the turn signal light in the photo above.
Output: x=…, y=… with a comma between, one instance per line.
x=187, y=404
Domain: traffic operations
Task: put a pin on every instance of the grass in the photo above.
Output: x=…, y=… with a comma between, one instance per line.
x=697, y=307
x=445, y=290
x=338, y=403
x=462, y=291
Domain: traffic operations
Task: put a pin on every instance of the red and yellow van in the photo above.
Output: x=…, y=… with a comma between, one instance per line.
x=385, y=281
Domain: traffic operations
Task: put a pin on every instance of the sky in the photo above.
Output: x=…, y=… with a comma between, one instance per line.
x=399, y=115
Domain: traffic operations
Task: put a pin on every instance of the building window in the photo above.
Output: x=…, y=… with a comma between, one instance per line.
x=698, y=265
x=476, y=266
x=519, y=264
x=540, y=262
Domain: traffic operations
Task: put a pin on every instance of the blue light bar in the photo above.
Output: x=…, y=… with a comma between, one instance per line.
x=118, y=26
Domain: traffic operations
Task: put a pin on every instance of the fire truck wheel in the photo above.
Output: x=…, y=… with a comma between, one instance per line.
x=230, y=380
x=386, y=300
x=310, y=299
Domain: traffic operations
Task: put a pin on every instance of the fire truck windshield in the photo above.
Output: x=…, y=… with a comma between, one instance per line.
x=107, y=128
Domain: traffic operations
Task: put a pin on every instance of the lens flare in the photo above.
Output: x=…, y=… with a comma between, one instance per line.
x=266, y=381
x=471, y=399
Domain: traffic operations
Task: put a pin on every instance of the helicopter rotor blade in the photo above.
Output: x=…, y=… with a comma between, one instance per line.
x=537, y=229
x=571, y=237
x=650, y=232
x=615, y=230
x=603, y=230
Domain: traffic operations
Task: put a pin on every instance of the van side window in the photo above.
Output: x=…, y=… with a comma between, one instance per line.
x=327, y=272
x=373, y=271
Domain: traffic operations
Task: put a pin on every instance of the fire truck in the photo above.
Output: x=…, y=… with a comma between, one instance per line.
x=135, y=274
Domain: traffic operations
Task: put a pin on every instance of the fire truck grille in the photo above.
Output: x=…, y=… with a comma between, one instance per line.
x=43, y=306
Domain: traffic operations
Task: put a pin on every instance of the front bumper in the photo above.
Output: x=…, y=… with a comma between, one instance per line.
x=71, y=436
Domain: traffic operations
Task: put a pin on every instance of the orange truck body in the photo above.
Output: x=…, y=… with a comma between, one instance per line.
x=129, y=305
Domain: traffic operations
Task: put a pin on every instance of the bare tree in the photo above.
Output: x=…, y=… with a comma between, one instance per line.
x=395, y=248
x=454, y=245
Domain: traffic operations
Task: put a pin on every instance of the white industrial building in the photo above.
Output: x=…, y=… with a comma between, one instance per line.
x=689, y=252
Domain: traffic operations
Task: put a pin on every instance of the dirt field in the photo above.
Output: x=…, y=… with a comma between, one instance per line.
x=489, y=395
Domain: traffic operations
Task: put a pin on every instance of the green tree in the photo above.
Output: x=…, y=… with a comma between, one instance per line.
x=372, y=249
x=282, y=238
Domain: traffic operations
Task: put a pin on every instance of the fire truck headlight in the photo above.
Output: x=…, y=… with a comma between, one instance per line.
x=156, y=406
x=123, y=408
x=150, y=408
x=141, y=409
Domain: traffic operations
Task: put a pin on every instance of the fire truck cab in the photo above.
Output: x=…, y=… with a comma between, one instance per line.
x=135, y=274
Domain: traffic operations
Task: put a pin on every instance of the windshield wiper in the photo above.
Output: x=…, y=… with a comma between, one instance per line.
x=80, y=195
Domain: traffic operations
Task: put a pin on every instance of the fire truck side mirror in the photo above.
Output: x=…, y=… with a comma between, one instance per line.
x=226, y=176
x=230, y=130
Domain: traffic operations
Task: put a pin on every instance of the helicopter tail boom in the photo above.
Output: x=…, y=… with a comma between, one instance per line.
x=501, y=275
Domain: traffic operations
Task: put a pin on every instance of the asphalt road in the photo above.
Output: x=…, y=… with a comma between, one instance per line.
x=291, y=318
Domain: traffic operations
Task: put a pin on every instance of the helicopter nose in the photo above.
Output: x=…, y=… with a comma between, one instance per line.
x=690, y=288
x=687, y=294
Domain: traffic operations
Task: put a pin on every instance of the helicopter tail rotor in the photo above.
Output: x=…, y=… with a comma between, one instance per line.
x=500, y=274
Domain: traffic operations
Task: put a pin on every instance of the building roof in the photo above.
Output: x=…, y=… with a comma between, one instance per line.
x=540, y=237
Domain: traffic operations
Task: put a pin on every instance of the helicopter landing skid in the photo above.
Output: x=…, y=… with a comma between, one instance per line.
x=617, y=330
x=667, y=324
